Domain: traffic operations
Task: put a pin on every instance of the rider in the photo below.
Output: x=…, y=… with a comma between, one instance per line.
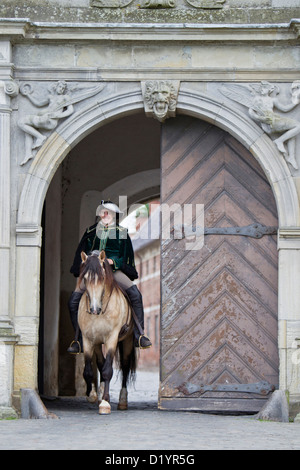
x=109, y=236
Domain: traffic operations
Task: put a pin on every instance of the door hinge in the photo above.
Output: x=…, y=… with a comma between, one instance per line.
x=261, y=388
x=254, y=230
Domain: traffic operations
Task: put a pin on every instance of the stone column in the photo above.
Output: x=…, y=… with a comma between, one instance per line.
x=289, y=311
x=7, y=336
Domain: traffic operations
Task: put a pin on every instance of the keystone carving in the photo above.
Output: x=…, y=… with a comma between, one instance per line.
x=261, y=100
x=160, y=98
x=57, y=102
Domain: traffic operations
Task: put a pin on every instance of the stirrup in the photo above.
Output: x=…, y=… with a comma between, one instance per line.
x=144, y=347
x=74, y=342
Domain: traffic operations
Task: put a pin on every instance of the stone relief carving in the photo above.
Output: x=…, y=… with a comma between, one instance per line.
x=160, y=98
x=206, y=3
x=261, y=102
x=110, y=3
x=58, y=102
x=158, y=4
x=11, y=88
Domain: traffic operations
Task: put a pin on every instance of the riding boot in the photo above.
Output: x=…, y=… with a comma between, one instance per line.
x=73, y=304
x=141, y=340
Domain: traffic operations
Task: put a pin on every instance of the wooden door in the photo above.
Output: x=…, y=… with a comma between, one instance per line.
x=219, y=304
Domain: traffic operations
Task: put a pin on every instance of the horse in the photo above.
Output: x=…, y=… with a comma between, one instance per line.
x=106, y=323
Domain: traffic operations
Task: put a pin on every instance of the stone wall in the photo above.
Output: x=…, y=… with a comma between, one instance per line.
x=153, y=11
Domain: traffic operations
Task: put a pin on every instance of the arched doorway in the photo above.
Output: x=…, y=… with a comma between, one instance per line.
x=68, y=134
x=227, y=292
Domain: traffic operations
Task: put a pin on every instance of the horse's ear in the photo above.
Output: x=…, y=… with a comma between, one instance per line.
x=102, y=256
x=83, y=256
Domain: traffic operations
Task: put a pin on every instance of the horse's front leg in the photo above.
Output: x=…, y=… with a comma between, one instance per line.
x=89, y=375
x=107, y=373
x=100, y=362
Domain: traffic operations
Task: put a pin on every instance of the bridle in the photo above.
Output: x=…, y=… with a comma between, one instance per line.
x=102, y=311
x=88, y=299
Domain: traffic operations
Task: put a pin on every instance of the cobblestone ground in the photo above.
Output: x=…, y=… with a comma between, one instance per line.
x=143, y=426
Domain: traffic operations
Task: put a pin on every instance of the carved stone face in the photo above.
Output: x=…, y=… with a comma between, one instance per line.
x=266, y=88
x=61, y=88
x=161, y=98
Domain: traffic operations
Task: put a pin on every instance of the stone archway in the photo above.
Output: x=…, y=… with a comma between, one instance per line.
x=68, y=134
x=195, y=104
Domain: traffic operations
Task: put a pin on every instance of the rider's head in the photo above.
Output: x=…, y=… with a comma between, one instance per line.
x=108, y=212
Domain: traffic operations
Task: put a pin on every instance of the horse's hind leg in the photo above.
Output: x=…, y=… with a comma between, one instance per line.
x=127, y=359
x=123, y=397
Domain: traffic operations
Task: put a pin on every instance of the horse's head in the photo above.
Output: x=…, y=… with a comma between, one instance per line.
x=93, y=273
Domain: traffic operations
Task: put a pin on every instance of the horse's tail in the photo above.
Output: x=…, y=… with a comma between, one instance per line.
x=127, y=360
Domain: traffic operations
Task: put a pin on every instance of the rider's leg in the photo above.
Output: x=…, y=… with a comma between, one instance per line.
x=73, y=304
x=136, y=300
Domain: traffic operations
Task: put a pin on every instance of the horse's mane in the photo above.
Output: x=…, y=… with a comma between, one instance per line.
x=93, y=268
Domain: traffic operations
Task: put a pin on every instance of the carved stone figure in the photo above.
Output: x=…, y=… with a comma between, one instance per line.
x=59, y=101
x=260, y=101
x=205, y=4
x=158, y=4
x=111, y=3
x=160, y=98
x=209, y=4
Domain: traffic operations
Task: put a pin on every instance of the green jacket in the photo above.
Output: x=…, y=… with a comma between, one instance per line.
x=116, y=243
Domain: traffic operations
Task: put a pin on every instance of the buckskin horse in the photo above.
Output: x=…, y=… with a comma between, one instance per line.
x=105, y=320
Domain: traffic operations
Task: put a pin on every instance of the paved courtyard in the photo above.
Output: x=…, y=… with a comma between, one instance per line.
x=143, y=427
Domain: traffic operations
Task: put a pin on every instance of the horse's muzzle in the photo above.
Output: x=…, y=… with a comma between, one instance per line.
x=95, y=311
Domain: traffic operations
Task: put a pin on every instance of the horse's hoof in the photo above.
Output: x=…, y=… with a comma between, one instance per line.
x=123, y=403
x=92, y=398
x=122, y=407
x=104, y=408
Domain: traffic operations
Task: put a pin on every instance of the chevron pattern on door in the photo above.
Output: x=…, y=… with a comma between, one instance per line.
x=219, y=304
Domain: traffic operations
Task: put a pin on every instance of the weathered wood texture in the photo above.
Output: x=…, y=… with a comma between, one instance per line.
x=219, y=304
